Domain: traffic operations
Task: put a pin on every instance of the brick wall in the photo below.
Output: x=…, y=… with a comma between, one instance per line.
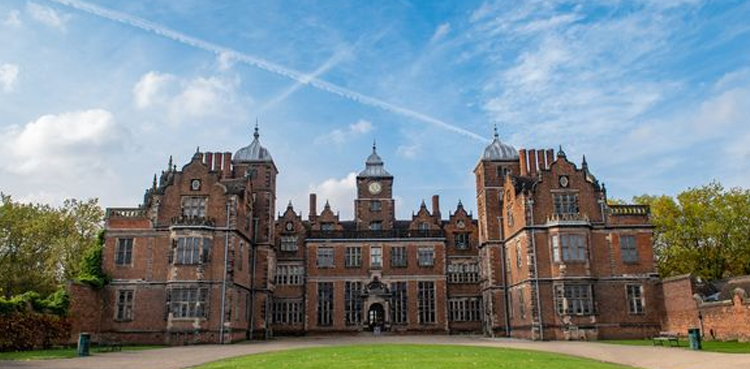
x=727, y=319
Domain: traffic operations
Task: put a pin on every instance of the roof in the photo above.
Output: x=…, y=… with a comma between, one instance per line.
x=374, y=166
x=497, y=150
x=254, y=152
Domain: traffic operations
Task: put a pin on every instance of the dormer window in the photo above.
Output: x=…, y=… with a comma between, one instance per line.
x=327, y=226
x=423, y=226
x=566, y=203
x=194, y=206
x=376, y=226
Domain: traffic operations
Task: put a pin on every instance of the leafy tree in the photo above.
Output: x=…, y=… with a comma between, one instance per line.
x=42, y=246
x=704, y=230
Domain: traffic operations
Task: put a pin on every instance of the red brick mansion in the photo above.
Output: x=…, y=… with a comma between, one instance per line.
x=206, y=259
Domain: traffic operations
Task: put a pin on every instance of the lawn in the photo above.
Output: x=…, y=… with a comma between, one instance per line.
x=732, y=347
x=61, y=353
x=409, y=356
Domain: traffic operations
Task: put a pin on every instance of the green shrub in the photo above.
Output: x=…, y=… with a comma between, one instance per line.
x=91, y=272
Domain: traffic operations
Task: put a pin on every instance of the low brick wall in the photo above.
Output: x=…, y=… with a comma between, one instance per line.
x=720, y=320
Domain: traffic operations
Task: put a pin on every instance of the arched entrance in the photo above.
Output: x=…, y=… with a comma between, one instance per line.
x=376, y=316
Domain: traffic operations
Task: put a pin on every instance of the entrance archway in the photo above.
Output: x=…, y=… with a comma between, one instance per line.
x=376, y=316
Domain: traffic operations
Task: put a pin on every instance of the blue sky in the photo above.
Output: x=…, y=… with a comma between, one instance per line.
x=95, y=96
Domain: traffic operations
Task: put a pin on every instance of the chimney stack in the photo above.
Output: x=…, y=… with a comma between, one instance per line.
x=550, y=157
x=313, y=208
x=210, y=161
x=540, y=158
x=522, y=157
x=436, y=207
x=532, y=162
x=227, y=165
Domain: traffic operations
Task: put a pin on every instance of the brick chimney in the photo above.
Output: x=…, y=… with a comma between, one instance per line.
x=227, y=167
x=532, y=162
x=436, y=207
x=210, y=161
x=550, y=157
x=540, y=158
x=313, y=208
x=522, y=157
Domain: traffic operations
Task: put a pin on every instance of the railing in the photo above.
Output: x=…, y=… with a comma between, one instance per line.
x=184, y=220
x=629, y=210
x=567, y=218
x=365, y=234
x=126, y=213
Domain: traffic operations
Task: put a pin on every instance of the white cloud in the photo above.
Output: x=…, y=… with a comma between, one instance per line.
x=8, y=77
x=409, y=151
x=340, y=136
x=339, y=192
x=13, y=19
x=184, y=99
x=440, y=32
x=47, y=16
x=150, y=89
x=65, y=144
x=225, y=61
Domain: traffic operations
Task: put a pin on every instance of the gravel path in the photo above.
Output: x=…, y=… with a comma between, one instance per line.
x=188, y=356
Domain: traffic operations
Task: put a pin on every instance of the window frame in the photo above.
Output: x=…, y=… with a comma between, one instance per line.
x=403, y=255
x=422, y=259
x=125, y=310
x=124, y=253
x=636, y=304
x=631, y=251
x=353, y=257
x=319, y=256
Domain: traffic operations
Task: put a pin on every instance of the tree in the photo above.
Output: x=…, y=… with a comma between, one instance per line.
x=705, y=231
x=42, y=246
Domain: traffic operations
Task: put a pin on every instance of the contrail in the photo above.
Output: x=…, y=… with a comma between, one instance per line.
x=300, y=77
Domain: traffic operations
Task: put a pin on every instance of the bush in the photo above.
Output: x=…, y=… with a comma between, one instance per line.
x=21, y=331
x=91, y=272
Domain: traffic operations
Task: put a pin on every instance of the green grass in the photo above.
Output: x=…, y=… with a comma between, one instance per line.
x=409, y=356
x=732, y=347
x=62, y=353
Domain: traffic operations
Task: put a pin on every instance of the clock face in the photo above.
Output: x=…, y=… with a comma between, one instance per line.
x=375, y=188
x=195, y=184
x=289, y=226
x=564, y=181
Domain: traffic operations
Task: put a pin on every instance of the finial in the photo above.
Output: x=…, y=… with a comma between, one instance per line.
x=289, y=206
x=584, y=164
x=169, y=166
x=327, y=206
x=423, y=205
x=496, y=135
x=374, y=145
x=460, y=204
x=154, y=183
x=256, y=134
x=560, y=152
x=197, y=149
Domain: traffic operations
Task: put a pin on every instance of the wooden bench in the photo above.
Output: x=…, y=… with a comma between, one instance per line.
x=109, y=346
x=667, y=337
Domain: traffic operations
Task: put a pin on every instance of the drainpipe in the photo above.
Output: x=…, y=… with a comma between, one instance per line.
x=224, y=283
x=252, y=278
x=536, y=270
x=505, y=293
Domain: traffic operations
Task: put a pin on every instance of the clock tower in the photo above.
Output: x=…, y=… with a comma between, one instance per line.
x=374, y=208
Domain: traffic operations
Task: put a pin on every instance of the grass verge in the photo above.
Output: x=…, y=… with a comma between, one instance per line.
x=409, y=356
x=732, y=347
x=63, y=353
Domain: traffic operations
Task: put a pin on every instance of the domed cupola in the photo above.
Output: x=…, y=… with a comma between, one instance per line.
x=497, y=150
x=374, y=165
x=253, y=152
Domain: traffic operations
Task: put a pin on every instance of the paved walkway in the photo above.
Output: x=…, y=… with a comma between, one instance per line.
x=188, y=356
